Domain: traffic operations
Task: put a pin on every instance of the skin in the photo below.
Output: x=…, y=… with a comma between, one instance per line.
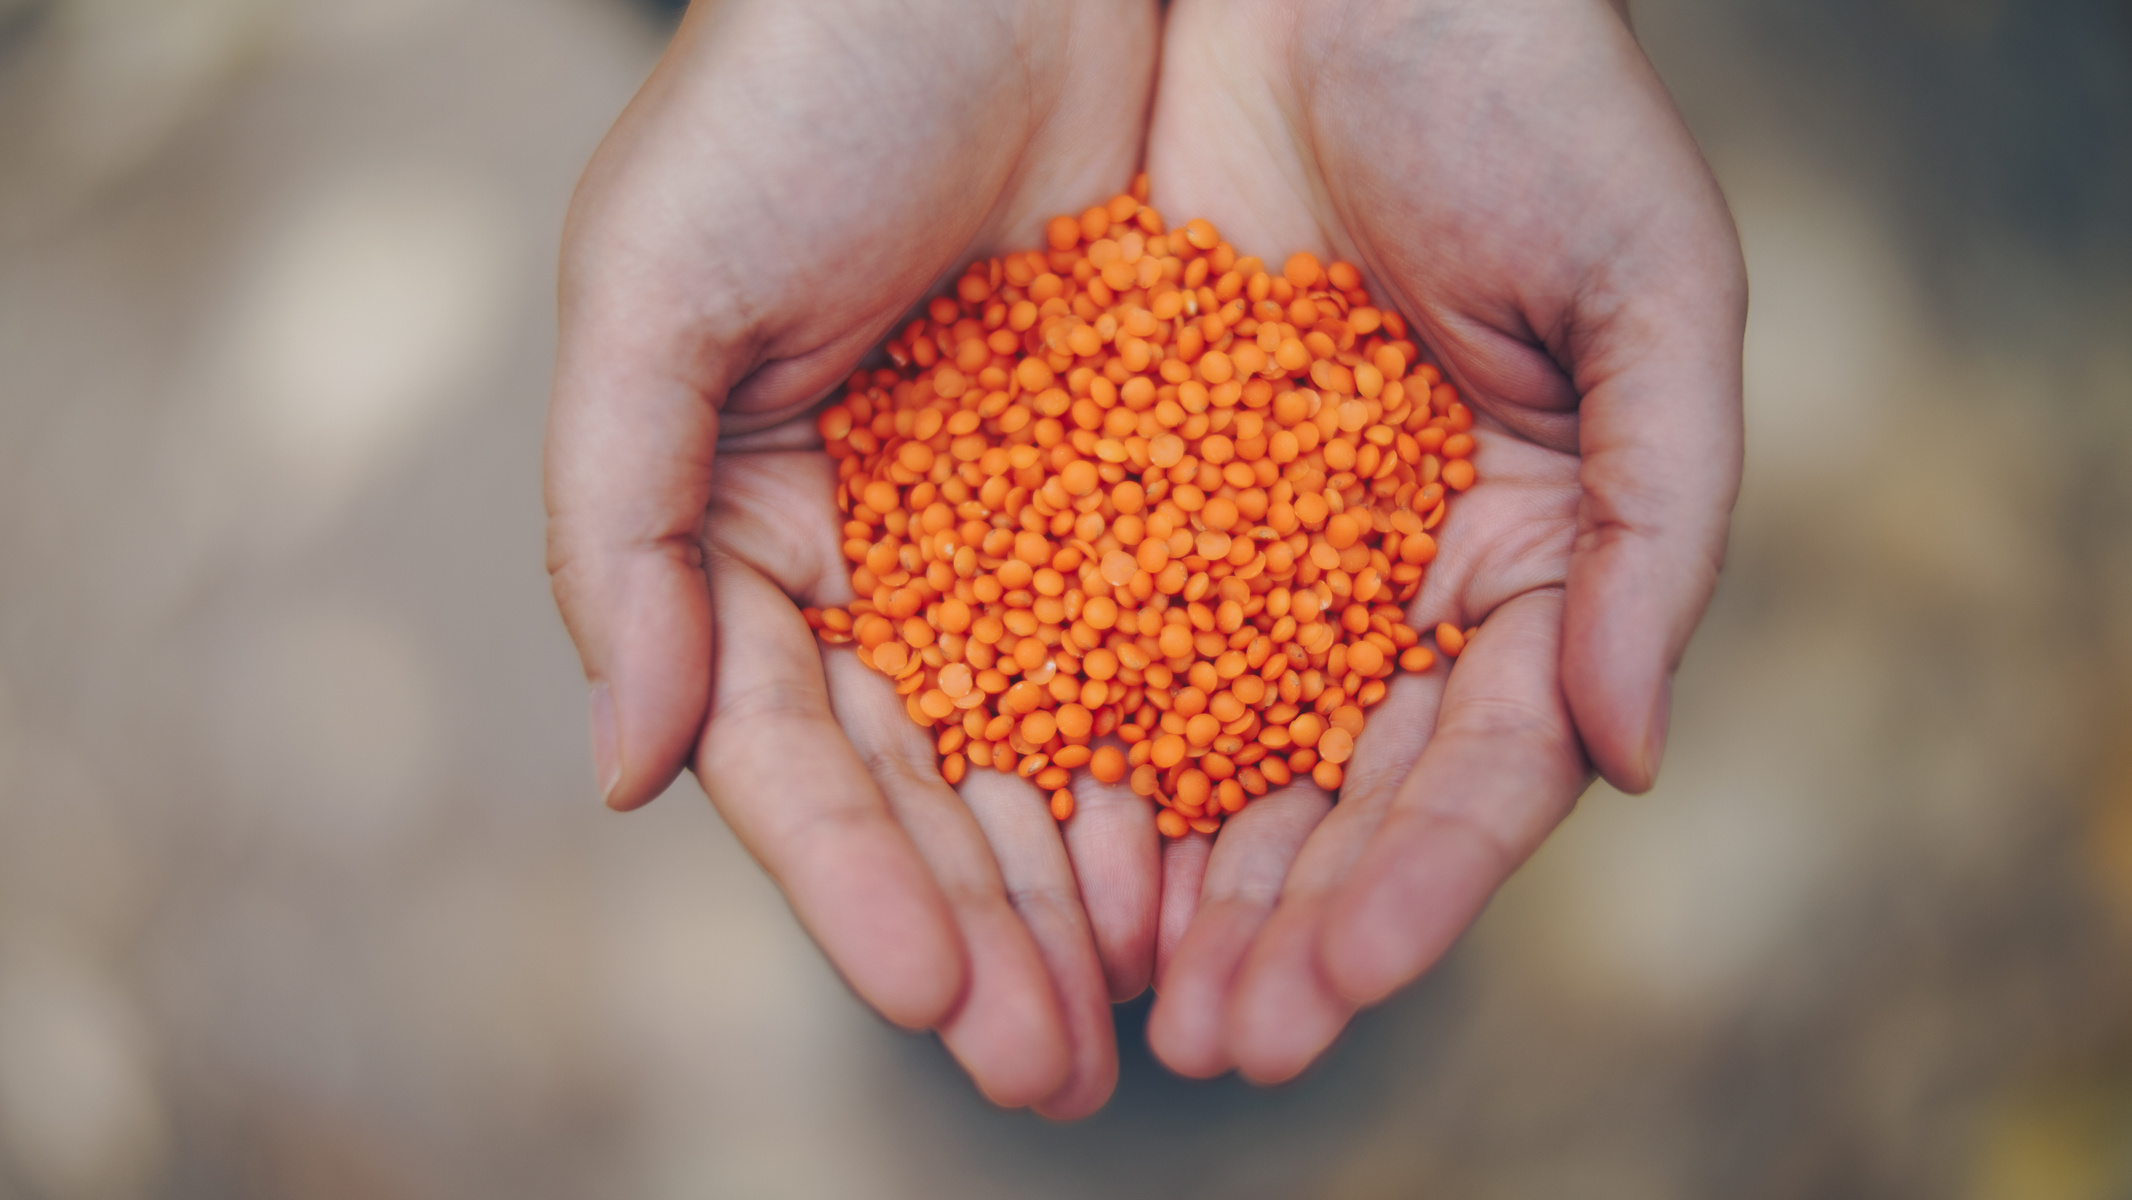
x=795, y=176
x=1513, y=177
x=789, y=182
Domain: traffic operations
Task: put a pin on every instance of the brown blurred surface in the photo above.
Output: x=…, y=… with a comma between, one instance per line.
x=304, y=892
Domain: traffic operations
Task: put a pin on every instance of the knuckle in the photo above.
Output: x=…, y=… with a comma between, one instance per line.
x=898, y=768
x=1523, y=727
x=1054, y=899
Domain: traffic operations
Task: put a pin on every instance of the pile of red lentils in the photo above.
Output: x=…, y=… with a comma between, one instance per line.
x=1139, y=505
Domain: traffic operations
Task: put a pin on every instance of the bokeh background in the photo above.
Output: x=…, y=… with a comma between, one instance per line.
x=304, y=892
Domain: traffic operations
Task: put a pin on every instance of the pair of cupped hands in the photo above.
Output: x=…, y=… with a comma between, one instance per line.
x=797, y=174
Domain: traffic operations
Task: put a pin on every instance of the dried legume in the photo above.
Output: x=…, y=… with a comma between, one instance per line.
x=1139, y=505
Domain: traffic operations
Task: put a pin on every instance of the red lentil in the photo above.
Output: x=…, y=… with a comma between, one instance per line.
x=1136, y=504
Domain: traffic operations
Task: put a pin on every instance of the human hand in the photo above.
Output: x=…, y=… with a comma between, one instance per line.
x=792, y=178
x=1512, y=176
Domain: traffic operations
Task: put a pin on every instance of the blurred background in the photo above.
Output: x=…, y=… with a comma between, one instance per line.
x=304, y=891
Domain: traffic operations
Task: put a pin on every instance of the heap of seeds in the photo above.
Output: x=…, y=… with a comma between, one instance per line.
x=1139, y=505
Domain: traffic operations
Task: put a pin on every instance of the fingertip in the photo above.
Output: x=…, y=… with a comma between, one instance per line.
x=1271, y=1071
x=1283, y=1012
x=1187, y=1061
x=1184, y=1026
x=1184, y=1054
x=1654, y=741
x=1082, y=1096
x=925, y=983
x=1007, y=1028
x=629, y=783
x=1274, y=1045
x=1026, y=1078
x=627, y=792
x=1169, y=1036
x=606, y=763
x=1407, y=903
x=1619, y=708
x=927, y=978
x=1617, y=679
x=1124, y=983
x=881, y=920
x=641, y=620
x=630, y=779
x=1361, y=960
x=1127, y=982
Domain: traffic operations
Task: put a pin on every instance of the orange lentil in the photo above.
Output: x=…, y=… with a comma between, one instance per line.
x=1074, y=721
x=1038, y=727
x=1136, y=488
x=890, y=657
x=1337, y=745
x=1107, y=764
x=1365, y=657
x=1167, y=751
x=1305, y=730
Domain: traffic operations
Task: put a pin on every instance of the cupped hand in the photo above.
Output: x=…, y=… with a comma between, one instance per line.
x=1511, y=176
x=791, y=179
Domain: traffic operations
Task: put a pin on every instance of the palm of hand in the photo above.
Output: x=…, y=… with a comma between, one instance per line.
x=1522, y=205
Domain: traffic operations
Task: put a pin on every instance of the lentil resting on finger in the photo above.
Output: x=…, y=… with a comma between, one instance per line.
x=1137, y=487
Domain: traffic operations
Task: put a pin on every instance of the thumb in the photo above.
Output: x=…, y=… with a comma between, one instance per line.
x=628, y=476
x=1660, y=434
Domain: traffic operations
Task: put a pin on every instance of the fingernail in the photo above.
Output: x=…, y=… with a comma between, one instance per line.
x=1654, y=743
x=606, y=761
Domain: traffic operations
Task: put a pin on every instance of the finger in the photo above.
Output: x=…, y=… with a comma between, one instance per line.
x=1009, y=1030
x=775, y=510
x=627, y=477
x=1191, y=174
x=1116, y=858
x=1184, y=872
x=795, y=793
x=1017, y=822
x=1281, y=1019
x=1502, y=770
x=1244, y=874
x=1661, y=443
x=1282, y=1011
